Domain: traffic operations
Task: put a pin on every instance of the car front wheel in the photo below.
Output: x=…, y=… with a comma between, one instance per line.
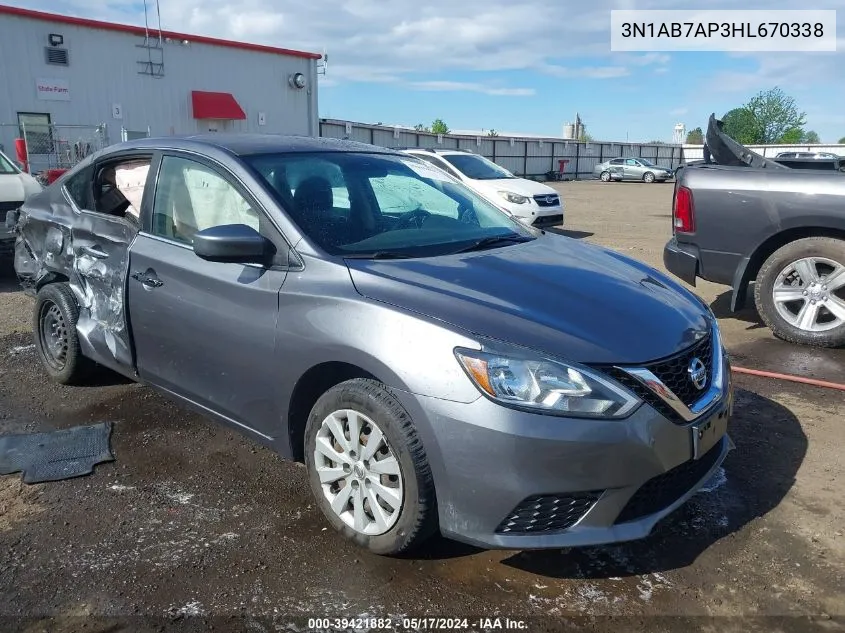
x=368, y=470
x=800, y=292
x=648, y=177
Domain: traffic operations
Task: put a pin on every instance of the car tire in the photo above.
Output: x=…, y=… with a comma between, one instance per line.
x=605, y=176
x=56, y=341
x=783, y=273
x=648, y=177
x=352, y=473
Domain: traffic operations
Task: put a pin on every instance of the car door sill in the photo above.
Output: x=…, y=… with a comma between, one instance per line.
x=219, y=417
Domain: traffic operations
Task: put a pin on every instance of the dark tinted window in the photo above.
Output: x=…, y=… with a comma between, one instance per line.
x=617, y=161
x=80, y=187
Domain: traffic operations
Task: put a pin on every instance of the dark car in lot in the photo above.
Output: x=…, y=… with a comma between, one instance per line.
x=743, y=219
x=432, y=361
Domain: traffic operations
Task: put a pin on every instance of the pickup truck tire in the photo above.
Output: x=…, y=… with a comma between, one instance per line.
x=56, y=342
x=361, y=448
x=800, y=269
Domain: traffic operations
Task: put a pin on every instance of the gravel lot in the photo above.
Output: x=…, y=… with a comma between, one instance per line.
x=194, y=520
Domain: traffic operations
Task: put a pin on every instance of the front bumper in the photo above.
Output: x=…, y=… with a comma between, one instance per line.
x=534, y=215
x=681, y=260
x=588, y=482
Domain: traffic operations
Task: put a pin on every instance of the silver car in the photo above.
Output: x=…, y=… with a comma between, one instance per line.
x=434, y=363
x=640, y=169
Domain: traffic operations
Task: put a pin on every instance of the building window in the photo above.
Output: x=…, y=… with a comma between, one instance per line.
x=36, y=129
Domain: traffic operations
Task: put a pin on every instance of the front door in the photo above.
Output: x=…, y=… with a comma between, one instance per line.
x=205, y=330
x=633, y=171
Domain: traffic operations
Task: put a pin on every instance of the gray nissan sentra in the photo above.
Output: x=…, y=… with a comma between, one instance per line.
x=434, y=363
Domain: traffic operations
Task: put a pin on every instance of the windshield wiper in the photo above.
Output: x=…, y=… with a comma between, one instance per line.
x=494, y=240
x=378, y=255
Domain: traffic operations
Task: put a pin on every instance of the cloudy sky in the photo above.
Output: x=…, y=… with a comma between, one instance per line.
x=516, y=66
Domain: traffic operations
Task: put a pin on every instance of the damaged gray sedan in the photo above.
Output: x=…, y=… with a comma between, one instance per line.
x=432, y=361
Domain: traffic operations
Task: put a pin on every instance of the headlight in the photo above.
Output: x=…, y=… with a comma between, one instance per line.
x=513, y=197
x=547, y=386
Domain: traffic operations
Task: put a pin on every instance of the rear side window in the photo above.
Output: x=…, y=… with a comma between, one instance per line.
x=80, y=188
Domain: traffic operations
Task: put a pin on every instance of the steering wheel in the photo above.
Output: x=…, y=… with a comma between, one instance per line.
x=419, y=214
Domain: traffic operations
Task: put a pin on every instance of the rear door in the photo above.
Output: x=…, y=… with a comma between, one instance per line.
x=205, y=330
x=100, y=244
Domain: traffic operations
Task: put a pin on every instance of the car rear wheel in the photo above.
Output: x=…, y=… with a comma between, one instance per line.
x=800, y=292
x=605, y=176
x=368, y=470
x=648, y=177
x=56, y=340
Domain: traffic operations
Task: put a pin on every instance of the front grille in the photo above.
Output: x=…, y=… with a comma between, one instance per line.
x=548, y=220
x=674, y=373
x=662, y=491
x=8, y=206
x=548, y=513
x=550, y=200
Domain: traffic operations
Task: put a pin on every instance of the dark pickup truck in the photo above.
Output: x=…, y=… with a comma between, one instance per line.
x=740, y=219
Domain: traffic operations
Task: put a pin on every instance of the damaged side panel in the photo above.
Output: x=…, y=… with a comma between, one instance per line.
x=90, y=252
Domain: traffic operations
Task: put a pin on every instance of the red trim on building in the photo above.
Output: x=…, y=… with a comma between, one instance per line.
x=138, y=30
x=216, y=105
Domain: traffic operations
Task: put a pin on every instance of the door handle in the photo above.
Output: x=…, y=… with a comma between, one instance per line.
x=93, y=251
x=150, y=281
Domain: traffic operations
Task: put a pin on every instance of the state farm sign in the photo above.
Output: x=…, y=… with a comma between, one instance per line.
x=52, y=89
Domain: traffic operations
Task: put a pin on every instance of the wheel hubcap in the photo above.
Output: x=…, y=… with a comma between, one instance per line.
x=810, y=294
x=54, y=335
x=359, y=473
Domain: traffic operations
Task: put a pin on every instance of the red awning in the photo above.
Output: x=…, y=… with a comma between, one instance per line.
x=216, y=105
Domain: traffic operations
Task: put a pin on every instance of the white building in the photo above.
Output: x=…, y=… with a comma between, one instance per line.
x=72, y=85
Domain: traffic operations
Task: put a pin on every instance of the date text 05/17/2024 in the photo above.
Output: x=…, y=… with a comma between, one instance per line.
x=416, y=624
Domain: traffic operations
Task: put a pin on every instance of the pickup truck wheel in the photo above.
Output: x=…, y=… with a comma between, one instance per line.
x=56, y=340
x=648, y=177
x=605, y=176
x=800, y=292
x=368, y=470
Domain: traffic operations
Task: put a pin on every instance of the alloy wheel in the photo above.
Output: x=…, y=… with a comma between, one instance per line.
x=810, y=294
x=359, y=473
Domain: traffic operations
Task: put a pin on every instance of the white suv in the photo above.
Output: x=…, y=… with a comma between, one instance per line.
x=530, y=202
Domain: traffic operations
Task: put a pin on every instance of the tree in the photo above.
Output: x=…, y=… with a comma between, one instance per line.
x=741, y=126
x=439, y=127
x=841, y=141
x=492, y=133
x=695, y=137
x=812, y=138
x=792, y=136
x=419, y=127
x=774, y=115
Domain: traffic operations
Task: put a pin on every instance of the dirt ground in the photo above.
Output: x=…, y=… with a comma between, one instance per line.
x=194, y=520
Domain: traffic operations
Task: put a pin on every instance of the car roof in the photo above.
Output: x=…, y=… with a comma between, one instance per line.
x=250, y=144
x=434, y=150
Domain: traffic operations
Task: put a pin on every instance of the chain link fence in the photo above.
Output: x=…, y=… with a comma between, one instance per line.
x=61, y=146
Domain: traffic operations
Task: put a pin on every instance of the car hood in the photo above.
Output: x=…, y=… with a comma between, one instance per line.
x=565, y=298
x=516, y=185
x=17, y=187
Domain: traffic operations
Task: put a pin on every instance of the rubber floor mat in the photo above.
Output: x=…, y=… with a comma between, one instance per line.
x=56, y=455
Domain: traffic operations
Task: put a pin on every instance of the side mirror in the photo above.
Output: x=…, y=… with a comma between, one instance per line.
x=233, y=243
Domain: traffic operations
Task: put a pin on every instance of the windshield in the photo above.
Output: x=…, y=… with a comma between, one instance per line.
x=477, y=167
x=646, y=162
x=6, y=166
x=374, y=205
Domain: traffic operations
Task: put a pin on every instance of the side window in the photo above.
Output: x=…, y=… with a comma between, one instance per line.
x=398, y=194
x=441, y=164
x=80, y=188
x=617, y=161
x=632, y=163
x=191, y=197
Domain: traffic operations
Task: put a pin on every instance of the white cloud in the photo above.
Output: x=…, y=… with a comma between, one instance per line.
x=380, y=41
x=453, y=86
